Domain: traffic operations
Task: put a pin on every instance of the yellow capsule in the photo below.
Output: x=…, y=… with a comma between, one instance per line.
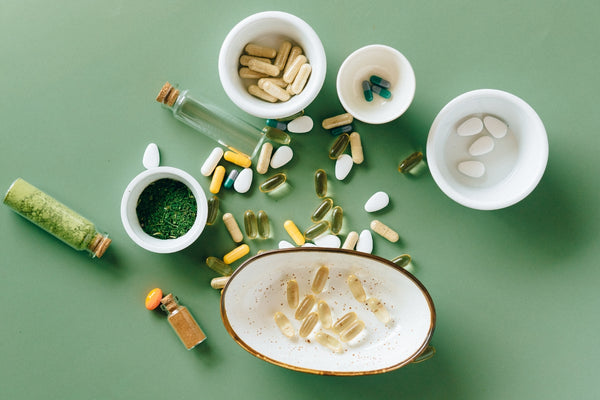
x=305, y=306
x=213, y=210
x=232, y=227
x=301, y=78
x=264, y=226
x=245, y=59
x=284, y=324
x=294, y=232
x=276, y=135
x=410, y=162
x=403, y=260
x=220, y=282
x=273, y=182
x=324, y=314
x=385, y=231
x=217, y=179
x=352, y=331
x=236, y=254
x=320, y=279
x=218, y=266
x=308, y=324
x=292, y=293
x=261, y=94
x=282, y=54
x=338, y=120
x=262, y=166
x=356, y=288
x=254, y=49
x=356, y=148
x=321, y=183
x=263, y=67
x=238, y=159
x=153, y=298
x=344, y=322
x=338, y=147
x=325, y=339
x=322, y=210
x=337, y=219
x=250, y=224
x=377, y=308
x=316, y=230
x=350, y=241
x=292, y=68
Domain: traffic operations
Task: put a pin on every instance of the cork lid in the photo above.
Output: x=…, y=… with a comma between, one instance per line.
x=99, y=245
x=167, y=95
x=169, y=302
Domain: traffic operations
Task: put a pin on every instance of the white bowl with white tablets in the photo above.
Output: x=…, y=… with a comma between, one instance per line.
x=487, y=149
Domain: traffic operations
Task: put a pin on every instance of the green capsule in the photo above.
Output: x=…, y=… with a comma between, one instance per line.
x=341, y=129
x=410, y=162
x=276, y=135
x=264, y=227
x=219, y=266
x=383, y=92
x=337, y=219
x=250, y=224
x=213, y=210
x=402, y=260
x=379, y=81
x=339, y=146
x=367, y=92
x=273, y=182
x=322, y=210
x=321, y=183
x=316, y=230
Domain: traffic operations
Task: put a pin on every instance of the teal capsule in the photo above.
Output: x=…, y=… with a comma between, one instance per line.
x=341, y=129
x=250, y=224
x=273, y=123
x=339, y=146
x=317, y=230
x=273, y=182
x=322, y=210
x=379, y=81
x=367, y=92
x=276, y=135
x=230, y=179
x=219, y=266
x=321, y=183
x=410, y=162
x=264, y=226
x=337, y=219
x=383, y=92
x=213, y=210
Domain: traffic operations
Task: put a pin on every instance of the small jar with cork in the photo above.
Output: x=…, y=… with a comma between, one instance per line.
x=182, y=322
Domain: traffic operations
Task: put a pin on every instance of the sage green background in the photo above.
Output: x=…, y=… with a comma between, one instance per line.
x=516, y=290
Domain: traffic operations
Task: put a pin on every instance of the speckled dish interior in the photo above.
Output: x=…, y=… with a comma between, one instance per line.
x=257, y=290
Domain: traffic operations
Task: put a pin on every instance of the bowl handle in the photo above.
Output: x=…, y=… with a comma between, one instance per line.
x=425, y=355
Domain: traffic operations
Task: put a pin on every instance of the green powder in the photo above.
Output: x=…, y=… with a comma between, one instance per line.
x=166, y=209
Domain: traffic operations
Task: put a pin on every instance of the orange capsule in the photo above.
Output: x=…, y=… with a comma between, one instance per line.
x=153, y=298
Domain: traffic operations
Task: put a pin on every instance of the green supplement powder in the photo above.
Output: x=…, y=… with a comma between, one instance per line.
x=166, y=209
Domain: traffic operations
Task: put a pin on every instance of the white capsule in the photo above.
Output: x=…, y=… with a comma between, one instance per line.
x=470, y=127
x=282, y=156
x=151, y=156
x=211, y=161
x=343, y=165
x=495, y=127
x=473, y=169
x=365, y=242
x=328, y=241
x=284, y=244
x=243, y=181
x=301, y=124
x=377, y=202
x=481, y=146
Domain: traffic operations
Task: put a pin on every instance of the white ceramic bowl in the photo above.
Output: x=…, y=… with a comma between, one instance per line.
x=257, y=290
x=270, y=28
x=513, y=168
x=129, y=216
x=385, y=62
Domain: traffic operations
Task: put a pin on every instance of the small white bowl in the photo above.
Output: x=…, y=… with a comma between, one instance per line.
x=270, y=28
x=387, y=63
x=513, y=168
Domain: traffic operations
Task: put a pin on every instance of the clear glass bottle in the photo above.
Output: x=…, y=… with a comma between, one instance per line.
x=56, y=218
x=227, y=130
x=182, y=322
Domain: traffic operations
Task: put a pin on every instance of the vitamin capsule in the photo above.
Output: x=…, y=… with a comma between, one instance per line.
x=264, y=227
x=377, y=201
x=317, y=230
x=284, y=244
x=254, y=49
x=218, y=266
x=352, y=331
x=292, y=69
x=403, y=260
x=350, y=241
x=338, y=120
x=481, y=146
x=377, y=308
x=383, y=92
x=326, y=340
x=236, y=254
x=151, y=157
x=276, y=91
x=308, y=324
x=243, y=181
x=367, y=92
x=284, y=324
x=250, y=224
x=219, y=282
x=294, y=232
x=356, y=288
x=301, y=78
x=230, y=179
x=233, y=227
x=247, y=73
x=292, y=293
x=337, y=219
x=321, y=210
x=263, y=67
x=281, y=157
x=213, y=210
x=324, y=312
x=339, y=146
x=495, y=127
x=305, y=306
x=282, y=54
x=261, y=94
x=273, y=182
x=277, y=81
x=211, y=161
x=356, y=148
x=472, y=169
x=294, y=52
x=321, y=183
x=365, y=242
x=343, y=166
x=276, y=135
x=376, y=80
x=238, y=159
x=320, y=279
x=273, y=123
x=262, y=165
x=341, y=129
x=217, y=179
x=344, y=322
x=383, y=230
x=245, y=59
x=470, y=127
x=153, y=298
x=410, y=162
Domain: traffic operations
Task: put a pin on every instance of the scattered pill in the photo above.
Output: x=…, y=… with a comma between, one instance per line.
x=284, y=244
x=276, y=135
x=273, y=182
x=403, y=260
x=243, y=181
x=356, y=148
x=377, y=308
x=321, y=183
x=238, y=159
x=322, y=210
x=250, y=224
x=218, y=266
x=305, y=307
x=245, y=59
x=284, y=324
x=338, y=120
x=291, y=69
x=151, y=157
x=302, y=124
x=262, y=165
x=236, y=254
x=320, y=279
x=383, y=92
x=301, y=78
x=247, y=73
x=276, y=91
x=273, y=123
x=213, y=210
x=331, y=241
x=281, y=156
x=473, y=169
x=344, y=321
x=264, y=226
x=411, y=162
x=324, y=312
x=350, y=241
x=356, y=288
x=326, y=340
x=377, y=201
x=292, y=293
x=217, y=179
x=470, y=127
x=376, y=80
x=481, y=146
x=308, y=324
x=365, y=242
x=153, y=298
x=230, y=179
x=339, y=146
x=495, y=127
x=267, y=68
x=317, y=230
x=352, y=331
x=385, y=231
x=219, y=282
x=260, y=51
x=337, y=219
x=292, y=230
x=256, y=91
x=282, y=54
x=367, y=92
x=341, y=129
x=343, y=165
x=233, y=227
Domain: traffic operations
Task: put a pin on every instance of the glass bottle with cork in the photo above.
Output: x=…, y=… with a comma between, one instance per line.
x=182, y=322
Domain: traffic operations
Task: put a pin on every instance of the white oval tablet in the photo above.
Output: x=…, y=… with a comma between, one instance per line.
x=243, y=181
x=495, y=127
x=470, y=127
x=282, y=156
x=473, y=169
x=377, y=202
x=481, y=146
x=211, y=161
x=151, y=156
x=309, y=244
x=301, y=124
x=284, y=244
x=343, y=165
x=328, y=241
x=365, y=242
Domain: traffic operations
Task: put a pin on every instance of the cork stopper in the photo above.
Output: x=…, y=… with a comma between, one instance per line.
x=168, y=95
x=99, y=245
x=169, y=303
